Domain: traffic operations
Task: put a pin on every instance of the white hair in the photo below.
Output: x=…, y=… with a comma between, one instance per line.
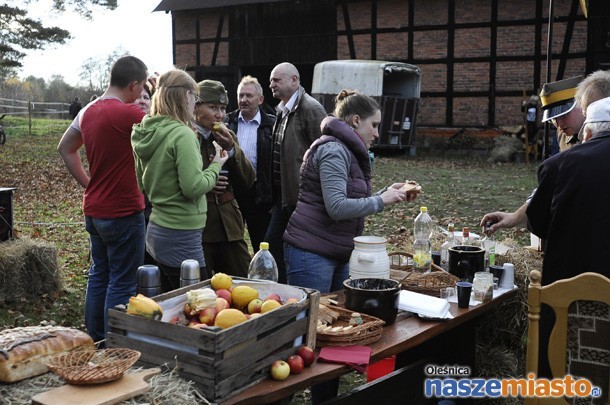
x=597, y=127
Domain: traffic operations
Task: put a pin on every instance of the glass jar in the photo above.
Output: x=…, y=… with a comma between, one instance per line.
x=483, y=286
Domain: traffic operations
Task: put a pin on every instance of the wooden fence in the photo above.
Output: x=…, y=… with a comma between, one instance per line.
x=38, y=109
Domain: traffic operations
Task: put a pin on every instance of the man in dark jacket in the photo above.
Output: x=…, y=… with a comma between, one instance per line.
x=297, y=126
x=75, y=107
x=254, y=129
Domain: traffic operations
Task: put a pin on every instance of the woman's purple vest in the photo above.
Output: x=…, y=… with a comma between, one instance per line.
x=310, y=227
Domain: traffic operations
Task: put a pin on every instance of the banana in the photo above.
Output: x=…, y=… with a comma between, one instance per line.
x=143, y=306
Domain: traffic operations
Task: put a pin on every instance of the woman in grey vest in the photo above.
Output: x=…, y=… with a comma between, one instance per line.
x=335, y=195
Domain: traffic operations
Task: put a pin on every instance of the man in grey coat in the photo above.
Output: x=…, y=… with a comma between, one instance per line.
x=297, y=125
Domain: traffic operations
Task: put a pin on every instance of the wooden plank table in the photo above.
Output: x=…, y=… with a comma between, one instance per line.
x=410, y=337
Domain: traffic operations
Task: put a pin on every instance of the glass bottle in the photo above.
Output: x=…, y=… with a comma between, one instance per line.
x=489, y=244
x=263, y=265
x=445, y=246
x=466, y=237
x=422, y=247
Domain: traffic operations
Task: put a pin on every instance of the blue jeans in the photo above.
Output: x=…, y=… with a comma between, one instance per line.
x=117, y=250
x=275, y=236
x=309, y=270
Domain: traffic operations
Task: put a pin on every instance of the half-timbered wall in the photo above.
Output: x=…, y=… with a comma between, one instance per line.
x=477, y=57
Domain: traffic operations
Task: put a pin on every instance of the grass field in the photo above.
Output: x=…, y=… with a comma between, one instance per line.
x=47, y=206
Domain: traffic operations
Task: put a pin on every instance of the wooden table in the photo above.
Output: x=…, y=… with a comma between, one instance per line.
x=410, y=338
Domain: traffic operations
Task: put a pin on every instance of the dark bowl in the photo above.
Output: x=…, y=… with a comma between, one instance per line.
x=377, y=297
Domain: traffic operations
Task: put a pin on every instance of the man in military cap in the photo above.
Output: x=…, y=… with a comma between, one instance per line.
x=224, y=247
x=560, y=107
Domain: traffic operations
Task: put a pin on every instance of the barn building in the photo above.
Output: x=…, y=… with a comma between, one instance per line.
x=478, y=58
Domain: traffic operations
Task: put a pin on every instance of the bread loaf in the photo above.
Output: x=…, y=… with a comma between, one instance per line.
x=24, y=351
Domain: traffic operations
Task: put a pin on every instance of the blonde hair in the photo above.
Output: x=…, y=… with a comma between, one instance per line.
x=170, y=98
x=351, y=102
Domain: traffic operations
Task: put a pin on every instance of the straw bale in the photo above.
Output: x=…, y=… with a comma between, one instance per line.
x=165, y=388
x=28, y=267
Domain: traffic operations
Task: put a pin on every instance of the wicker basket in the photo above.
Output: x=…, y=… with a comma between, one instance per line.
x=93, y=366
x=368, y=332
x=401, y=269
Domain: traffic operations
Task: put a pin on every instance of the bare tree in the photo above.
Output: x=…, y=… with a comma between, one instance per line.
x=95, y=72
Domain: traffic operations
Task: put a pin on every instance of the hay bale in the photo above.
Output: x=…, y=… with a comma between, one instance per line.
x=505, y=148
x=28, y=267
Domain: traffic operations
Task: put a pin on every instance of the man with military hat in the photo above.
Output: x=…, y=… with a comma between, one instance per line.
x=224, y=247
x=560, y=107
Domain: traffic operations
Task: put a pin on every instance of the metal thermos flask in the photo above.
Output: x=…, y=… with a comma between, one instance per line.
x=149, y=280
x=190, y=273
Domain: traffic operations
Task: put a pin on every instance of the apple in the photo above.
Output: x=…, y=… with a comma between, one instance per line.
x=307, y=354
x=292, y=300
x=296, y=364
x=255, y=315
x=254, y=306
x=190, y=312
x=207, y=315
x=275, y=297
x=280, y=370
x=221, y=304
x=226, y=294
x=197, y=325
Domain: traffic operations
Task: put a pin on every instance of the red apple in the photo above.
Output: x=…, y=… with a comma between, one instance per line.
x=207, y=315
x=280, y=370
x=221, y=304
x=226, y=294
x=307, y=354
x=296, y=364
x=275, y=297
x=254, y=306
x=197, y=325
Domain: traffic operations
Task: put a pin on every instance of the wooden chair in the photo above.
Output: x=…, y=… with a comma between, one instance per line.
x=558, y=295
x=531, y=145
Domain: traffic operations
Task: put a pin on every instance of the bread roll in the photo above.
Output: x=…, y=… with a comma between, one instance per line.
x=24, y=351
x=410, y=185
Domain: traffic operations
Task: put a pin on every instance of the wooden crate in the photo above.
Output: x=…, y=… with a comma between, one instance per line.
x=221, y=362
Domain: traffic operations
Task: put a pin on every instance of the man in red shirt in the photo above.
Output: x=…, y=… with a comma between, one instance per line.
x=112, y=203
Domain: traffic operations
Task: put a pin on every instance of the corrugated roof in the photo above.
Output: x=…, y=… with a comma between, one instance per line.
x=181, y=5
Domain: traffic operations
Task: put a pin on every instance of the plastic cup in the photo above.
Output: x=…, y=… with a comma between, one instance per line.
x=464, y=289
x=447, y=293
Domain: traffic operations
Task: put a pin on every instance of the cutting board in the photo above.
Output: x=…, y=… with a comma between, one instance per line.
x=128, y=386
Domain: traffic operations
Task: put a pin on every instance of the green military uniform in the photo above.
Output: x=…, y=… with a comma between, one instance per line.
x=224, y=247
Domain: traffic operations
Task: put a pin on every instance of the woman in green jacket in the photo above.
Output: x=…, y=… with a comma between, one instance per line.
x=169, y=171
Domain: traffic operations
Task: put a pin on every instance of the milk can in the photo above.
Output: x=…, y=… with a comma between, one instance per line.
x=369, y=259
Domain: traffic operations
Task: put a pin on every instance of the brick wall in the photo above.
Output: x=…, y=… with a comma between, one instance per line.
x=429, y=52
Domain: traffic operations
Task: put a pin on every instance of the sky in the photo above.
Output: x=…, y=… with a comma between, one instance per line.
x=132, y=26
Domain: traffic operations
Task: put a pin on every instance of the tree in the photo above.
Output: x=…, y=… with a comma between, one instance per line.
x=96, y=71
x=18, y=32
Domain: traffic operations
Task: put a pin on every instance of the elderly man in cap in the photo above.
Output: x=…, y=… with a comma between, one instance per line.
x=575, y=226
x=223, y=236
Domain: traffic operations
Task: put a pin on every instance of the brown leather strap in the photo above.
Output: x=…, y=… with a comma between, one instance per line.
x=220, y=198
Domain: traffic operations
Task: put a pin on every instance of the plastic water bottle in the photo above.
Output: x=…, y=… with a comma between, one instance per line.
x=422, y=247
x=263, y=265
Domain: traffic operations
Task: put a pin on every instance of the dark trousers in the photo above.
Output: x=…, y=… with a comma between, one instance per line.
x=230, y=258
x=256, y=217
x=275, y=236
